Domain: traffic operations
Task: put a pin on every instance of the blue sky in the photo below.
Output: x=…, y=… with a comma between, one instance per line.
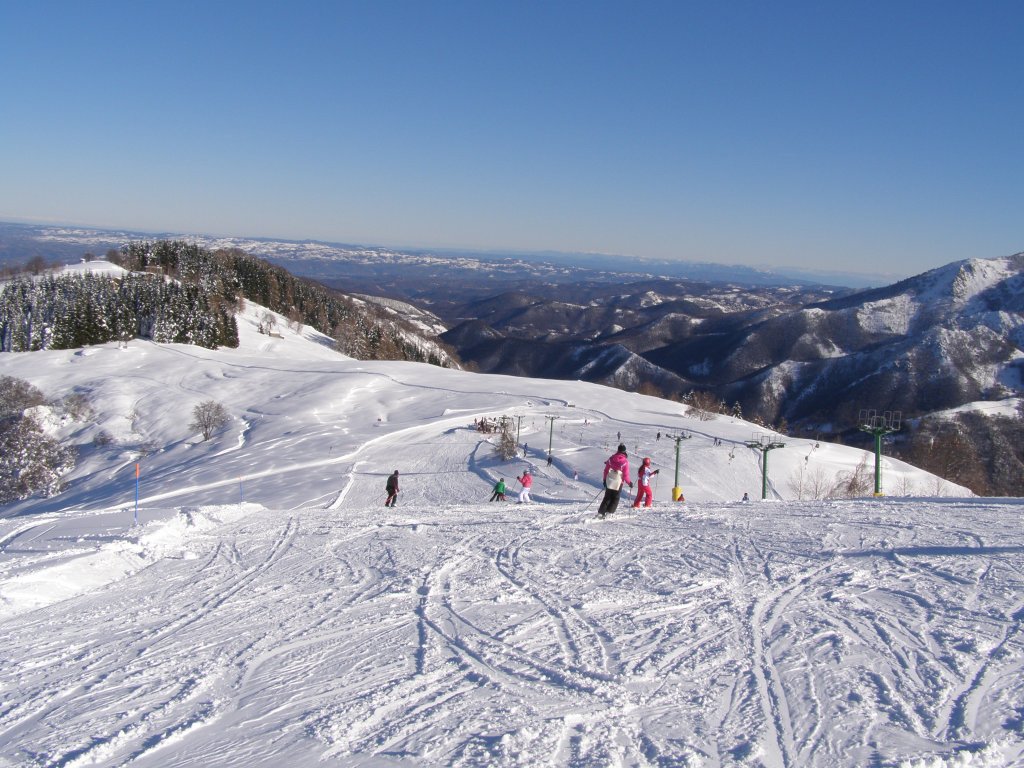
x=869, y=136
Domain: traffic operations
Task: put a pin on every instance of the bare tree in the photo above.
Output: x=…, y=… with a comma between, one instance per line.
x=36, y=265
x=905, y=486
x=77, y=406
x=820, y=484
x=16, y=395
x=939, y=487
x=268, y=323
x=850, y=485
x=208, y=417
x=704, y=404
x=798, y=481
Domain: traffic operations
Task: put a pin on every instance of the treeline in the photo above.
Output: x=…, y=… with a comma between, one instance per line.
x=73, y=310
x=230, y=275
x=982, y=452
x=176, y=291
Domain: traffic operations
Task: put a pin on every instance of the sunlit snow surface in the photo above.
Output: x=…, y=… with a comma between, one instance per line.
x=266, y=609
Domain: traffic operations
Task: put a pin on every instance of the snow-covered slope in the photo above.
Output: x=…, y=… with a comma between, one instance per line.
x=266, y=609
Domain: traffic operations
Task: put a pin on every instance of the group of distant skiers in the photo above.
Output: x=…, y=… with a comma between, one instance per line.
x=616, y=474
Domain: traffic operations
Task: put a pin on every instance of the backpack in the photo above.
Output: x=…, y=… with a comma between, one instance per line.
x=613, y=480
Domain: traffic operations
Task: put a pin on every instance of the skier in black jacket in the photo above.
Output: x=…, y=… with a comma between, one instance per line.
x=392, y=488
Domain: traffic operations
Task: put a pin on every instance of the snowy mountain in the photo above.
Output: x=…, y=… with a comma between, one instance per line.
x=942, y=339
x=247, y=600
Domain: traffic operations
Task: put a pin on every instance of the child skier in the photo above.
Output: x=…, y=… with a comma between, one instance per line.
x=499, y=491
x=643, y=482
x=527, y=481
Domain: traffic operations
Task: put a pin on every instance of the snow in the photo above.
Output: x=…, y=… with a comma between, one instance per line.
x=890, y=317
x=97, y=267
x=1008, y=408
x=978, y=275
x=259, y=605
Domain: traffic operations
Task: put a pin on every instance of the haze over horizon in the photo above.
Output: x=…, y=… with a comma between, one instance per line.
x=871, y=138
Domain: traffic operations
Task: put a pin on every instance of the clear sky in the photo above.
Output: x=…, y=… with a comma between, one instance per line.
x=881, y=136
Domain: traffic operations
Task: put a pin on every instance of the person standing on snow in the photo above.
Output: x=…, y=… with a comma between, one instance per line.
x=616, y=472
x=499, y=491
x=643, y=480
x=527, y=482
x=392, y=488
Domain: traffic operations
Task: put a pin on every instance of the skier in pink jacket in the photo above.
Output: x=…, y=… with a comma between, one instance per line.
x=616, y=473
x=527, y=482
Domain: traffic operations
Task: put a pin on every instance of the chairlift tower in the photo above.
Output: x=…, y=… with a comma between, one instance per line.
x=764, y=443
x=519, y=427
x=677, y=490
x=879, y=425
x=551, y=434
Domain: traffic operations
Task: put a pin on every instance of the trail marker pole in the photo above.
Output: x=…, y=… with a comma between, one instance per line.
x=136, y=518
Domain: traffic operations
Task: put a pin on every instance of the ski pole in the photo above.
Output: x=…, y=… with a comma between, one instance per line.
x=592, y=500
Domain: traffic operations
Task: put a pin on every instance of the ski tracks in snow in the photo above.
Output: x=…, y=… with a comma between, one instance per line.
x=118, y=662
x=518, y=635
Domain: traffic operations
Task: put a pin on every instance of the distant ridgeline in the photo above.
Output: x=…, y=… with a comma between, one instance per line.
x=196, y=306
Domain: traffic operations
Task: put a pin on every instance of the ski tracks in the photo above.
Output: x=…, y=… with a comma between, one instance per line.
x=111, y=669
x=462, y=638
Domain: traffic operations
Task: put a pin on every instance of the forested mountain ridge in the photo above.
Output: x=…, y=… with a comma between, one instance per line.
x=360, y=329
x=181, y=292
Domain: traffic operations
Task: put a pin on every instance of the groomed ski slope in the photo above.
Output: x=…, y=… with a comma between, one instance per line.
x=268, y=610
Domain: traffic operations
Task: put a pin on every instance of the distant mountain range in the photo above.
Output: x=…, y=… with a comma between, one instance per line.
x=321, y=260
x=793, y=354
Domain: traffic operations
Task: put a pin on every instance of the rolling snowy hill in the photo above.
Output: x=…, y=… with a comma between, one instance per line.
x=249, y=601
